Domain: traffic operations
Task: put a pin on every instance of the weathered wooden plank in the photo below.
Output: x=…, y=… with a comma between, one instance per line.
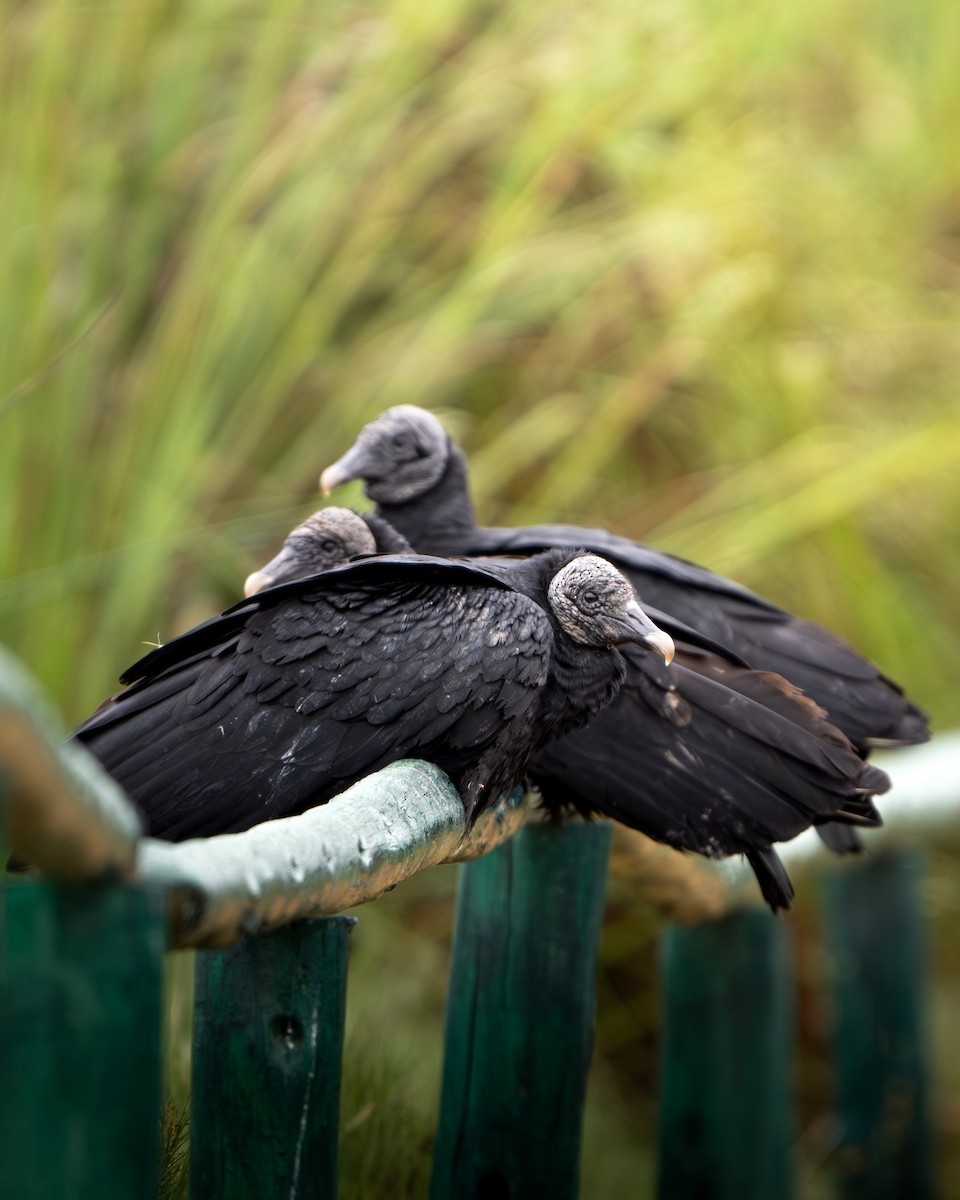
x=363, y=842
x=725, y=1092
x=4, y=851
x=80, y=1006
x=520, y=1016
x=874, y=929
x=66, y=816
x=268, y=1039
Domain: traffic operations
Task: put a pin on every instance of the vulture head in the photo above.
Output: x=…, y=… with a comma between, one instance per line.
x=325, y=539
x=400, y=455
x=596, y=606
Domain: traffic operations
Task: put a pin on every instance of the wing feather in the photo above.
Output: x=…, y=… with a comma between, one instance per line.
x=313, y=689
x=710, y=758
x=870, y=708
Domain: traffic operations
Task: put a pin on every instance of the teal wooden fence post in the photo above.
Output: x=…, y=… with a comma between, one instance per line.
x=267, y=1047
x=726, y=1117
x=80, y=1015
x=875, y=935
x=4, y=854
x=520, y=1016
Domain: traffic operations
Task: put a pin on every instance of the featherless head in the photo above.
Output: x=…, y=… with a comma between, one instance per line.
x=399, y=456
x=325, y=539
x=596, y=606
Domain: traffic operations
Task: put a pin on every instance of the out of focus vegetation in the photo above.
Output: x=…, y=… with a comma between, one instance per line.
x=685, y=268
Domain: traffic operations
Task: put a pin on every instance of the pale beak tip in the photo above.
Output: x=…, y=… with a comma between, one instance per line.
x=256, y=582
x=330, y=479
x=664, y=643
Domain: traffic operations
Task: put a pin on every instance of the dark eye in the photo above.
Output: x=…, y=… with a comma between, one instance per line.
x=399, y=440
x=328, y=545
x=590, y=597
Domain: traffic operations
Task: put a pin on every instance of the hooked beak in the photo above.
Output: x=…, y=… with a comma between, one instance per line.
x=278, y=570
x=257, y=582
x=344, y=470
x=637, y=627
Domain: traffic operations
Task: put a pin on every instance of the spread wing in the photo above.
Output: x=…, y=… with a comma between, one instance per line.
x=708, y=757
x=869, y=708
x=286, y=700
x=530, y=539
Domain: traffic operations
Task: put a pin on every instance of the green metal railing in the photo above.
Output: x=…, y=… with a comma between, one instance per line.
x=80, y=986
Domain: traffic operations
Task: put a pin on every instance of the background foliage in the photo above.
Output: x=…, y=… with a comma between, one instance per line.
x=685, y=268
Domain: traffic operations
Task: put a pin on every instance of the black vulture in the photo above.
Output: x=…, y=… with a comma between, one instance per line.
x=706, y=756
x=417, y=477
x=292, y=695
x=326, y=539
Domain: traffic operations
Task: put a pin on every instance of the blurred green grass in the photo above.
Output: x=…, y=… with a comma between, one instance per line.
x=688, y=269
x=704, y=257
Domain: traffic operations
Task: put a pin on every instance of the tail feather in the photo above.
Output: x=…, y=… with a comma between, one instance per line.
x=841, y=839
x=772, y=877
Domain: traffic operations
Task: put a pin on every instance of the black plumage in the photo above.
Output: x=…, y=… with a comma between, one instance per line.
x=704, y=755
x=296, y=693
x=417, y=477
x=715, y=759
x=749, y=738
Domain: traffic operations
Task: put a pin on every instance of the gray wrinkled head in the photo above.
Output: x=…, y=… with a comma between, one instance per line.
x=400, y=455
x=596, y=606
x=325, y=539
